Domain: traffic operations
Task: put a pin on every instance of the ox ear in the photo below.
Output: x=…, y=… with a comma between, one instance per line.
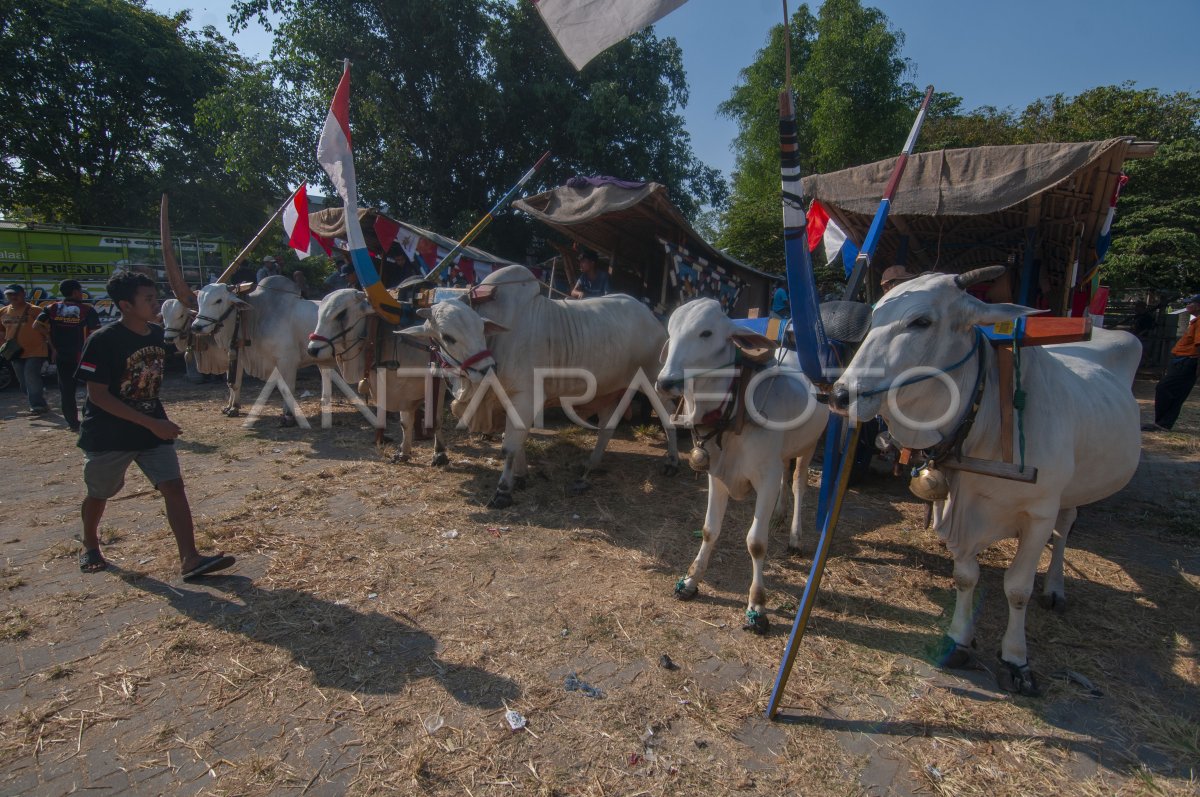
x=425, y=313
x=492, y=328
x=753, y=346
x=985, y=314
x=419, y=331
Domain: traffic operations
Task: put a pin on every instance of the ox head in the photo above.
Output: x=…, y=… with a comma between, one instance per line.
x=461, y=334
x=176, y=322
x=216, y=305
x=700, y=337
x=923, y=329
x=341, y=323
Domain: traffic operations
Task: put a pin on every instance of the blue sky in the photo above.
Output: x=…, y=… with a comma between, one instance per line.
x=988, y=53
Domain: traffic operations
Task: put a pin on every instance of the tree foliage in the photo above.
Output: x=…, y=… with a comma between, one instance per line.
x=100, y=99
x=852, y=106
x=452, y=101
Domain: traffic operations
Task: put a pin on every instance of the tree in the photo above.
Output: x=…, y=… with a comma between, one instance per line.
x=100, y=98
x=852, y=107
x=452, y=101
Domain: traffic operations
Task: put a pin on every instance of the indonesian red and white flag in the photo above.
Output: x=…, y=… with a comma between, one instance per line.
x=822, y=228
x=586, y=28
x=336, y=157
x=295, y=222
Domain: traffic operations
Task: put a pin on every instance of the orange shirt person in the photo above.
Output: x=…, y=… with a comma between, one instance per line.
x=1177, y=383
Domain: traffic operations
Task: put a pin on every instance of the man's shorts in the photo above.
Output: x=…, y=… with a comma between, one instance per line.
x=104, y=471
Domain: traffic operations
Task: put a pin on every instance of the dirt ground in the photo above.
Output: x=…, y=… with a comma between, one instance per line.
x=380, y=621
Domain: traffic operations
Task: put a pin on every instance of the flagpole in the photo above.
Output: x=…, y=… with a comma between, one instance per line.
x=863, y=262
x=237, y=261
x=841, y=438
x=487, y=219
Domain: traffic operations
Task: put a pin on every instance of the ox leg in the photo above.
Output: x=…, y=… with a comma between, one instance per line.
x=718, y=498
x=608, y=425
x=799, y=485
x=513, y=449
x=962, y=627
x=408, y=426
x=671, y=466
x=439, y=446
x=1054, y=594
x=756, y=544
x=1015, y=675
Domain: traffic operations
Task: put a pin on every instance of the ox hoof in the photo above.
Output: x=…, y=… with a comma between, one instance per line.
x=287, y=421
x=579, y=487
x=520, y=482
x=440, y=460
x=954, y=656
x=1054, y=601
x=1017, y=679
x=756, y=622
x=501, y=500
x=400, y=458
x=795, y=550
x=671, y=469
x=685, y=593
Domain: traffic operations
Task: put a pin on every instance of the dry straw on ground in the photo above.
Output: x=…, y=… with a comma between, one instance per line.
x=381, y=621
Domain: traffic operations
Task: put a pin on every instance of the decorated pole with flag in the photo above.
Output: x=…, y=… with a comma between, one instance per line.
x=841, y=437
x=487, y=219
x=227, y=274
x=336, y=156
x=862, y=263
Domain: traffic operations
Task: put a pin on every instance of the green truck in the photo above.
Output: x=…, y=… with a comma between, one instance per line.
x=39, y=256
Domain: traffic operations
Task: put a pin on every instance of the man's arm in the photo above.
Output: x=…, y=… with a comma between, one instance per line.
x=98, y=394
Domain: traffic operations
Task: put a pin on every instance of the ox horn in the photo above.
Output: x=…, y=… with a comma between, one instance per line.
x=986, y=274
x=179, y=285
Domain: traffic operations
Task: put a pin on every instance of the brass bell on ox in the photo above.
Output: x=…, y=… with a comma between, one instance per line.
x=699, y=459
x=929, y=483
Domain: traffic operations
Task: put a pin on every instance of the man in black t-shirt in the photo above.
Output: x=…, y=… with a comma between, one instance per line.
x=124, y=422
x=69, y=322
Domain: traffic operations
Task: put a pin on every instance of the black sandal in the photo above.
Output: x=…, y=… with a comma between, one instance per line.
x=90, y=561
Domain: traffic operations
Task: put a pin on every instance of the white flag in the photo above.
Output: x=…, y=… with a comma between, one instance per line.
x=586, y=28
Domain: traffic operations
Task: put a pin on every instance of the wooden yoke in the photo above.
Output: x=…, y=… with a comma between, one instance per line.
x=1033, y=331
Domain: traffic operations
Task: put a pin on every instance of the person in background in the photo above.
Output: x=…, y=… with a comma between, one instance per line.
x=301, y=284
x=17, y=320
x=781, y=306
x=270, y=267
x=124, y=422
x=592, y=281
x=1177, y=383
x=893, y=276
x=68, y=323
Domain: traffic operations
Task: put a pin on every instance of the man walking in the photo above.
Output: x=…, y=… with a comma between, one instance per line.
x=68, y=323
x=17, y=322
x=124, y=422
x=1176, y=384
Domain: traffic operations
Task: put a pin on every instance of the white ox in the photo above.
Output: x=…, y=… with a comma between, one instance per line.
x=533, y=342
x=341, y=330
x=783, y=422
x=177, y=330
x=1080, y=428
x=276, y=325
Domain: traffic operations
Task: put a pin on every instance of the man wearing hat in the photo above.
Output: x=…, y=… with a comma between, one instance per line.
x=893, y=276
x=17, y=323
x=592, y=281
x=1175, y=386
x=270, y=267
